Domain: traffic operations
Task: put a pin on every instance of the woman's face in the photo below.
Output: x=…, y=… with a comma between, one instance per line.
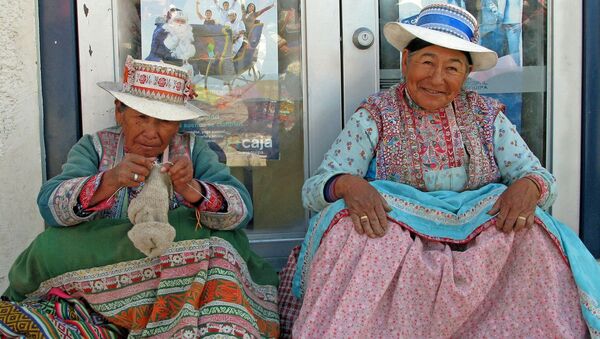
x=434, y=75
x=251, y=8
x=143, y=134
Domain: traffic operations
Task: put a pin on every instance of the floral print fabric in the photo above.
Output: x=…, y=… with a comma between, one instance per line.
x=498, y=285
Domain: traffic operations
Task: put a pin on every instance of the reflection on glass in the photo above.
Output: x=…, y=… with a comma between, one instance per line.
x=516, y=31
x=245, y=57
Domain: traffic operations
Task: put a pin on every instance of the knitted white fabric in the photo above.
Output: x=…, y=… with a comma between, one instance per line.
x=148, y=212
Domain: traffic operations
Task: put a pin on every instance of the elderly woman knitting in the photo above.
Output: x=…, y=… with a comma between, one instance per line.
x=431, y=212
x=89, y=274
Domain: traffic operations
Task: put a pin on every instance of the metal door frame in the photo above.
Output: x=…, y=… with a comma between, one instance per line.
x=590, y=181
x=59, y=81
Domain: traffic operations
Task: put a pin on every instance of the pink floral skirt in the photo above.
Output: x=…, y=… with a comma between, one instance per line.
x=404, y=286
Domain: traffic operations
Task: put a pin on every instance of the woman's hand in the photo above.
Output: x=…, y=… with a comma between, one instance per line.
x=182, y=177
x=131, y=171
x=516, y=206
x=366, y=205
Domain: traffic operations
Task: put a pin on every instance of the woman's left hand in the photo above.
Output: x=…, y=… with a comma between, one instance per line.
x=516, y=206
x=182, y=176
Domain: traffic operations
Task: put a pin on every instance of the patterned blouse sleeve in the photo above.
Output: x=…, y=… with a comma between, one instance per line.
x=87, y=193
x=211, y=201
x=516, y=161
x=351, y=153
x=58, y=199
x=235, y=206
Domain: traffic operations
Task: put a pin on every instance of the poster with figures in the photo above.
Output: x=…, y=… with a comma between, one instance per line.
x=500, y=29
x=230, y=48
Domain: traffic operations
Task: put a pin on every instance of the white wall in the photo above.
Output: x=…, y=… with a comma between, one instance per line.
x=20, y=117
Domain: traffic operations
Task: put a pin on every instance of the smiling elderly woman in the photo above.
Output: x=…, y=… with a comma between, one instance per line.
x=431, y=220
x=207, y=281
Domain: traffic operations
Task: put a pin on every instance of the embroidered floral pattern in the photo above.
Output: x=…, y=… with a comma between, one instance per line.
x=203, y=282
x=589, y=303
x=434, y=141
x=88, y=191
x=232, y=218
x=438, y=216
x=64, y=199
x=155, y=81
x=213, y=201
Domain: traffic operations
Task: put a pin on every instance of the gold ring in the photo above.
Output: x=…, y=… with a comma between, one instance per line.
x=522, y=218
x=364, y=218
x=135, y=177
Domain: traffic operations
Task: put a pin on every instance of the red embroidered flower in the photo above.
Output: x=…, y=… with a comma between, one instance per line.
x=143, y=79
x=162, y=82
x=178, y=86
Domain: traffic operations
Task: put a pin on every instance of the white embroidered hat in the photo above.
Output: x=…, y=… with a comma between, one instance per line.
x=156, y=89
x=446, y=26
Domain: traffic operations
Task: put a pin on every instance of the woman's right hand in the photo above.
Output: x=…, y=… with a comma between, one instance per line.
x=123, y=175
x=131, y=171
x=366, y=205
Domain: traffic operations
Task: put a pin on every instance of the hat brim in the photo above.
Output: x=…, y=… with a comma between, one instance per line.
x=154, y=108
x=400, y=35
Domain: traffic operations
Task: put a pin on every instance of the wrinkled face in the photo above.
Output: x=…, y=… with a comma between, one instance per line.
x=144, y=135
x=434, y=75
x=232, y=17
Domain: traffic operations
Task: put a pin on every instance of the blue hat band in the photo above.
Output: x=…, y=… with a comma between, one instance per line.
x=446, y=24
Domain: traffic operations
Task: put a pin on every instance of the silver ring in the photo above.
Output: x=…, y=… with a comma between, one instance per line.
x=522, y=218
x=135, y=177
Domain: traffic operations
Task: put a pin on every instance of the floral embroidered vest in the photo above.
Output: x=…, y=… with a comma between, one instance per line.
x=398, y=156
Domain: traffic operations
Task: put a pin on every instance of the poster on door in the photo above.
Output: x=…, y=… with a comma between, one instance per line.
x=230, y=48
x=500, y=29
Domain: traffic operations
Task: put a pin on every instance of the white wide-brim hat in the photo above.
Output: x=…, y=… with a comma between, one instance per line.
x=446, y=26
x=156, y=89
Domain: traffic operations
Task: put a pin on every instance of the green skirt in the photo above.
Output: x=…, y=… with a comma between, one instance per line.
x=208, y=282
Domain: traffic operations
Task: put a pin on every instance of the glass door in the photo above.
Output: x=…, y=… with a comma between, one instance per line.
x=247, y=65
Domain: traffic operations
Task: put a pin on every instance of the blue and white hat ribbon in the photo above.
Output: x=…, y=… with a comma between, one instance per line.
x=449, y=19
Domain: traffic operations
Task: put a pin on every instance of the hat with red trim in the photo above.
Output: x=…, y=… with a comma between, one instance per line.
x=156, y=89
